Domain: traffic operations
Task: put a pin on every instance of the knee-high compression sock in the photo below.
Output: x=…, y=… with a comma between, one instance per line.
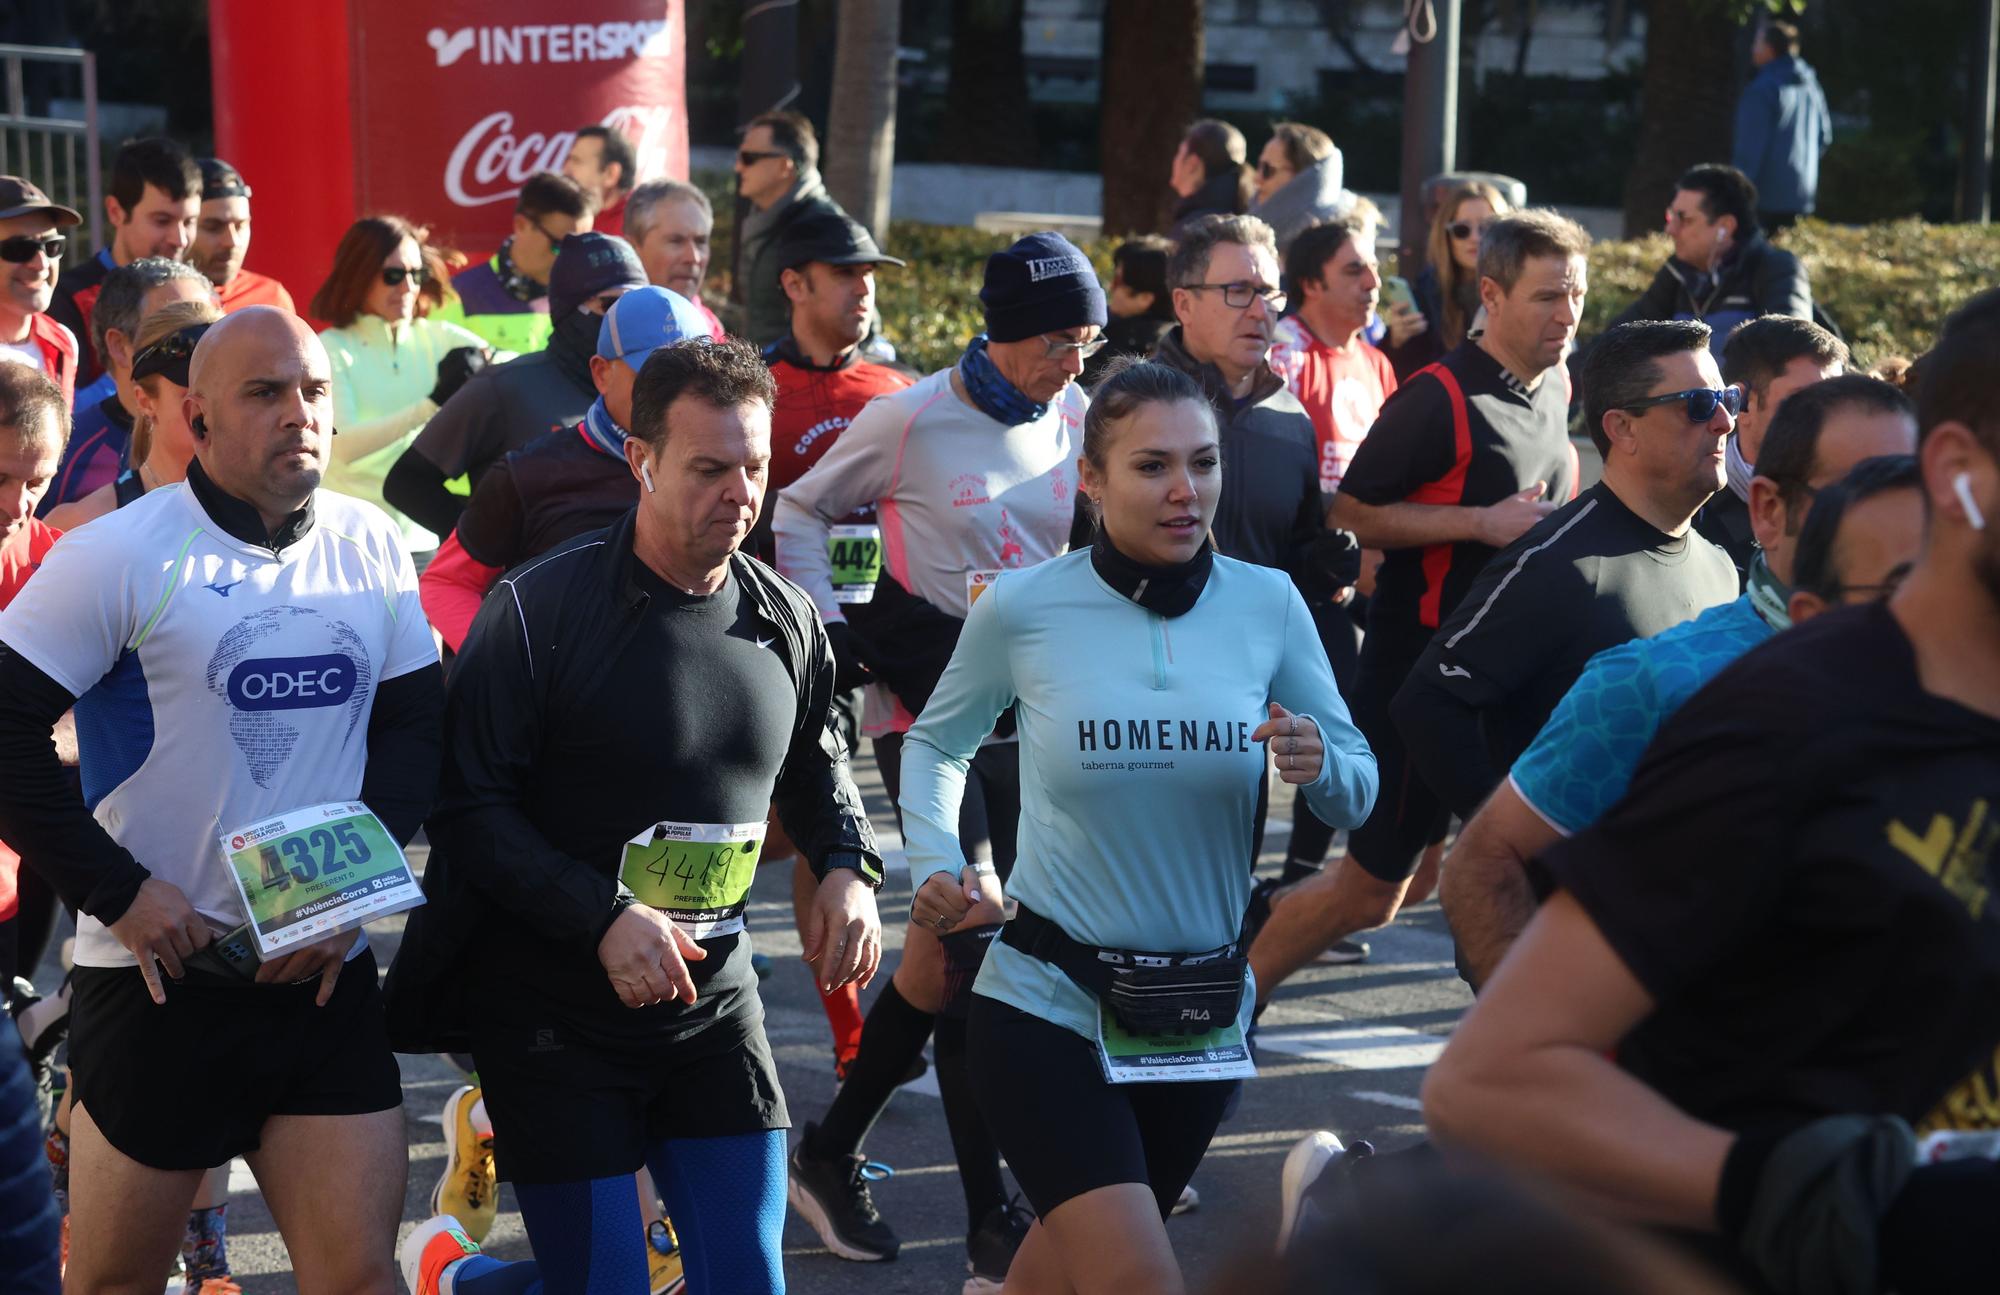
x=843, y=1013
x=891, y=1038
x=205, y=1247
x=971, y=1142
x=727, y=1199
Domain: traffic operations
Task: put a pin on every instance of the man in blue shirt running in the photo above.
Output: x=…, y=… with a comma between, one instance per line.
x=1579, y=764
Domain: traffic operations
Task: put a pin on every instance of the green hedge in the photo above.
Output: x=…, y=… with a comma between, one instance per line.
x=1888, y=286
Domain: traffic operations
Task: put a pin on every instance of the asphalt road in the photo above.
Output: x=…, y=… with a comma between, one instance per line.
x=1342, y=1048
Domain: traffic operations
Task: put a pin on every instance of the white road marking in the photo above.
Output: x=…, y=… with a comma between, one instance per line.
x=1355, y=1047
x=1396, y=1100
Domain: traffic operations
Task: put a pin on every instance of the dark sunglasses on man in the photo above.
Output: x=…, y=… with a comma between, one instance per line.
x=21, y=249
x=395, y=274
x=751, y=157
x=169, y=357
x=1701, y=402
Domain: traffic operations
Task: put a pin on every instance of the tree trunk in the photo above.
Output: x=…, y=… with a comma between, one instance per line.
x=861, y=126
x=1686, y=113
x=986, y=104
x=1150, y=78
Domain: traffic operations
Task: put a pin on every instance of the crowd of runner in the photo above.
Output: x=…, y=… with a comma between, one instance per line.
x=598, y=586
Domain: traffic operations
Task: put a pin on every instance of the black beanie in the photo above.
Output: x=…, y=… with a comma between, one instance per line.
x=1042, y=284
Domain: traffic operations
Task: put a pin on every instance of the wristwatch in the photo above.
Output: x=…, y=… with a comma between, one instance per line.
x=871, y=872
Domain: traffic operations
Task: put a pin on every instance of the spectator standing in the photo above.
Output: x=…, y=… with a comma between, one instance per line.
x=1446, y=290
x=777, y=170
x=669, y=223
x=1299, y=176
x=1140, y=304
x=1209, y=176
x=31, y=245
x=392, y=364
x=1770, y=358
x=222, y=241
x=505, y=298
x=1783, y=127
x=154, y=203
x=511, y=404
x=1723, y=270
x=603, y=162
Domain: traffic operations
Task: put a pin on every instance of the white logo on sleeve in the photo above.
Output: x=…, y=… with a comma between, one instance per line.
x=1454, y=671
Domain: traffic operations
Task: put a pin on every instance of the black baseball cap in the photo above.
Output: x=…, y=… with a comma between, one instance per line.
x=19, y=197
x=831, y=237
x=220, y=180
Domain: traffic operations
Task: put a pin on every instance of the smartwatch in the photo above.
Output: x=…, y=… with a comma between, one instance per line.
x=871, y=872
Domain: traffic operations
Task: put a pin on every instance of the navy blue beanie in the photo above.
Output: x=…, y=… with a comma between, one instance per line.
x=1042, y=284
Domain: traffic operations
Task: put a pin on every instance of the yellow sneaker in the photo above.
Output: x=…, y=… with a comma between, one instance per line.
x=663, y=1259
x=467, y=1189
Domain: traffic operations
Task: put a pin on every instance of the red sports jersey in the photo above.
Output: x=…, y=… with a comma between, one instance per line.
x=815, y=405
x=1342, y=388
x=19, y=557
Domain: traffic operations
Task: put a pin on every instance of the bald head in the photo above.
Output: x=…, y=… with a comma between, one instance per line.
x=260, y=402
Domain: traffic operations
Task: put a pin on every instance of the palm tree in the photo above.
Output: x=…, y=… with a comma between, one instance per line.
x=1150, y=78
x=861, y=124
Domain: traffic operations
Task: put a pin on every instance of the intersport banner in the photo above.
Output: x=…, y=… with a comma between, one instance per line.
x=432, y=109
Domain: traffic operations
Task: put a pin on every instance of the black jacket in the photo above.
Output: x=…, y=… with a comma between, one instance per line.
x=1226, y=193
x=576, y=621
x=1758, y=279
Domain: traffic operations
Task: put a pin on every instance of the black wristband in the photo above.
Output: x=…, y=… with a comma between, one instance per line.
x=855, y=861
x=1742, y=1170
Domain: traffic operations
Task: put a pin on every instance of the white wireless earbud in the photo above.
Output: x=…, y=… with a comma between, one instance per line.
x=646, y=475
x=1962, y=486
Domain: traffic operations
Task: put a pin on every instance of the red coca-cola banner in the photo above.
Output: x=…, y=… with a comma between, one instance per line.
x=433, y=109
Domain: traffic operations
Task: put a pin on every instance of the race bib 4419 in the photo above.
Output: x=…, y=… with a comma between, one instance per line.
x=698, y=874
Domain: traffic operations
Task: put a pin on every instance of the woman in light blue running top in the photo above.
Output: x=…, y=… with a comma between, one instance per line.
x=1150, y=673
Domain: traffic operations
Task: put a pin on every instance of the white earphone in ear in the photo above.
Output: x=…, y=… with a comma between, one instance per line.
x=1961, y=485
x=646, y=475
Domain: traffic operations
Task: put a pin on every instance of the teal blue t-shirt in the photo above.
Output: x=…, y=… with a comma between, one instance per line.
x=1138, y=775
x=1582, y=760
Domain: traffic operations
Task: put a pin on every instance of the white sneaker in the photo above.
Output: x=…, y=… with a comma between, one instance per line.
x=1304, y=1163
x=437, y=1244
x=1189, y=1202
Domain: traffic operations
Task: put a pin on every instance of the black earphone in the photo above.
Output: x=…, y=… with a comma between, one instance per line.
x=200, y=426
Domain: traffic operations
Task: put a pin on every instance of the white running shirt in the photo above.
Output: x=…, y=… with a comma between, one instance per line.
x=217, y=684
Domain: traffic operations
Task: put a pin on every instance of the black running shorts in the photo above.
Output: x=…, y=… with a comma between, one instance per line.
x=189, y=1083
x=1408, y=815
x=569, y=1106
x=1064, y=1129
x=990, y=813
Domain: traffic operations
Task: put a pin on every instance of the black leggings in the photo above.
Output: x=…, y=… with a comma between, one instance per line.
x=1065, y=1130
x=990, y=815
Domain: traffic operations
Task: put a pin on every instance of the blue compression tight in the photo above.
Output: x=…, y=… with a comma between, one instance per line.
x=726, y=1197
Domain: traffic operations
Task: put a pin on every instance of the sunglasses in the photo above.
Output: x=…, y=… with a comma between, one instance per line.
x=169, y=356
x=1701, y=402
x=395, y=274
x=20, y=248
x=750, y=157
x=1465, y=229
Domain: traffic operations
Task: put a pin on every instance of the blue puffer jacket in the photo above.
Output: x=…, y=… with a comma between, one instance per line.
x=1782, y=128
x=30, y=1229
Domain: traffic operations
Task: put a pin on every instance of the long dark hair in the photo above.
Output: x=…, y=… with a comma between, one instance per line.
x=358, y=261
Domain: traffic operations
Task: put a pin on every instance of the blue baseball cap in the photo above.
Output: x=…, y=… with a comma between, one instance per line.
x=644, y=320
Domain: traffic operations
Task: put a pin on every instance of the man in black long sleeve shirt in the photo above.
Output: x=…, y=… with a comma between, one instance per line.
x=620, y=721
x=1621, y=561
x=235, y=648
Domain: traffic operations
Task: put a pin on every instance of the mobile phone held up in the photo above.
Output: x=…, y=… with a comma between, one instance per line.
x=1396, y=292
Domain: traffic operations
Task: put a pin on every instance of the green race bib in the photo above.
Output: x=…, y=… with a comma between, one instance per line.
x=1136, y=1059
x=697, y=873
x=314, y=872
x=856, y=554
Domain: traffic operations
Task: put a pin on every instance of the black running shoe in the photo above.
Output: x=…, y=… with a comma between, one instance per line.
x=989, y=1251
x=831, y=1195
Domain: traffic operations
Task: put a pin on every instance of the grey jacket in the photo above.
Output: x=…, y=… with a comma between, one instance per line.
x=1313, y=195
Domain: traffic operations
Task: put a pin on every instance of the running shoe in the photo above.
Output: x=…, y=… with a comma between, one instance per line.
x=831, y=1194
x=989, y=1251
x=1316, y=1163
x=663, y=1259
x=467, y=1190
x=1344, y=953
x=213, y=1286
x=436, y=1245
x=1188, y=1203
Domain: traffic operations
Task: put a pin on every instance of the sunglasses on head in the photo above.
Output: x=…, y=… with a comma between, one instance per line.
x=1465, y=229
x=169, y=356
x=20, y=248
x=1701, y=402
x=395, y=274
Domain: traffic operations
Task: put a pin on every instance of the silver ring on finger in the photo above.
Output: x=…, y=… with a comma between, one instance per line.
x=1294, y=731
